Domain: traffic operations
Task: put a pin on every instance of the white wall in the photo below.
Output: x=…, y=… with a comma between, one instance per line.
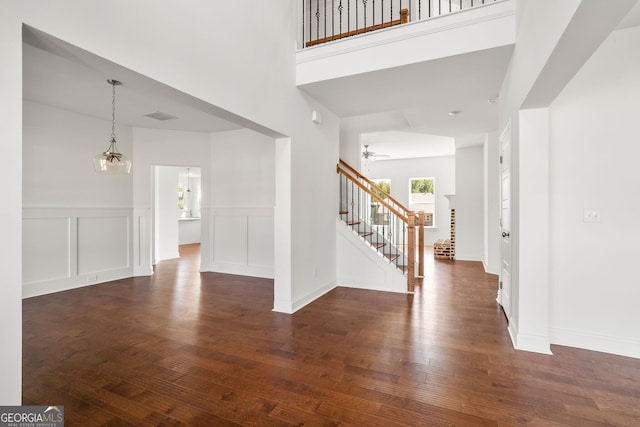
x=469, y=204
x=243, y=198
x=166, y=213
x=491, y=202
x=550, y=49
x=594, y=150
x=76, y=223
x=443, y=169
x=58, y=149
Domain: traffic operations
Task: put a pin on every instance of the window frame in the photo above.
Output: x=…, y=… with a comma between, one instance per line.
x=433, y=204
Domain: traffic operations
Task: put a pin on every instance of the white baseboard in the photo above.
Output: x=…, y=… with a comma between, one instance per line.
x=290, y=307
x=595, y=342
x=64, y=284
x=529, y=342
x=242, y=270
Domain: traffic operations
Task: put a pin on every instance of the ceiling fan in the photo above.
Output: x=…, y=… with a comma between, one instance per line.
x=370, y=155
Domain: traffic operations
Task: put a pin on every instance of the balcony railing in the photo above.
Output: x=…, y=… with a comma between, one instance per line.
x=329, y=20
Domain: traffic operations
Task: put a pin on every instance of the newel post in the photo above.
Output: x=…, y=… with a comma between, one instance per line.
x=421, y=244
x=411, y=251
x=404, y=16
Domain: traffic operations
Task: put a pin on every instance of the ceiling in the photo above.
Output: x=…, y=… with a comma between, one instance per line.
x=66, y=77
x=419, y=97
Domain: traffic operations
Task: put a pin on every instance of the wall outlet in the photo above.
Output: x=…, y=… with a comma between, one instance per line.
x=592, y=215
x=92, y=278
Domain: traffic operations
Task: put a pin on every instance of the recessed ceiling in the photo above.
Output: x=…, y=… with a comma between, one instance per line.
x=421, y=95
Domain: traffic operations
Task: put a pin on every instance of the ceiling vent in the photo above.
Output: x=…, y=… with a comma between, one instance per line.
x=159, y=115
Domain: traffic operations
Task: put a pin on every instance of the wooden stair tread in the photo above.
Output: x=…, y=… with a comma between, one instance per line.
x=365, y=233
x=343, y=212
x=392, y=257
x=353, y=222
x=377, y=245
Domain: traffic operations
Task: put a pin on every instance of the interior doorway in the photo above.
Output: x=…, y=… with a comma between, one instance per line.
x=177, y=194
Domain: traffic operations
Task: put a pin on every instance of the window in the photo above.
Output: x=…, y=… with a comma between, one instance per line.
x=422, y=198
x=380, y=216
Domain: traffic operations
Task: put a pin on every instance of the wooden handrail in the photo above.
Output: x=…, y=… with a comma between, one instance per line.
x=386, y=204
x=374, y=185
x=410, y=219
x=404, y=18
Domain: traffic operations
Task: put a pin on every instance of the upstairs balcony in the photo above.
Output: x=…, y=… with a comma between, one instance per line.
x=340, y=38
x=329, y=20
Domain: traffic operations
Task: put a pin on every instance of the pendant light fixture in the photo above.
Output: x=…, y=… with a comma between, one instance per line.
x=112, y=161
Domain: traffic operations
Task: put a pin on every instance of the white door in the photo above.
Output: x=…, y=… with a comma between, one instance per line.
x=504, y=292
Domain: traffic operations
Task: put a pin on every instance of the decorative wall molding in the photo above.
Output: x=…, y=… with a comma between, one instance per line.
x=67, y=248
x=243, y=241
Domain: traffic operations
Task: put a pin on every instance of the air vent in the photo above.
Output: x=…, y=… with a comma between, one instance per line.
x=159, y=115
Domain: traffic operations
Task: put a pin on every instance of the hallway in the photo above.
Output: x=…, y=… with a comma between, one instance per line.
x=189, y=348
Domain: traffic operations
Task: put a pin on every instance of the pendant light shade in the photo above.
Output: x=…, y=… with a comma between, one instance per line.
x=112, y=161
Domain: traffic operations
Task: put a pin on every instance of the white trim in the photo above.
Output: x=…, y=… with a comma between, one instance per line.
x=529, y=342
x=292, y=307
x=596, y=342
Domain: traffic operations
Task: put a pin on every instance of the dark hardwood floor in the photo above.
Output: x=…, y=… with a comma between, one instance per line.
x=184, y=348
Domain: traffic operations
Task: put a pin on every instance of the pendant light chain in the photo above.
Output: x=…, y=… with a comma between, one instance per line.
x=113, y=110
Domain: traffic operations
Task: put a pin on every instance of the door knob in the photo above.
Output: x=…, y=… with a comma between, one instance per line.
x=506, y=234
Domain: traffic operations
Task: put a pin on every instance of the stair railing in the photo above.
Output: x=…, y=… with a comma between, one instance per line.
x=382, y=221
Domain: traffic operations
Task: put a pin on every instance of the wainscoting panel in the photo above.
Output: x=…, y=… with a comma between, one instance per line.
x=230, y=239
x=66, y=248
x=46, y=249
x=243, y=241
x=103, y=244
x=260, y=245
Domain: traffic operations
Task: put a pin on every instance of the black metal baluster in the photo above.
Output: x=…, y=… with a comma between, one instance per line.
x=325, y=20
x=429, y=8
x=318, y=20
x=357, y=26
x=352, y=204
x=348, y=16
x=340, y=10
x=449, y=6
x=391, y=12
x=302, y=41
x=419, y=10
x=404, y=242
x=364, y=3
x=333, y=20
x=310, y=20
x=373, y=13
x=382, y=13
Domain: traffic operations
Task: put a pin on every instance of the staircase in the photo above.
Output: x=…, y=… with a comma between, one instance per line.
x=382, y=223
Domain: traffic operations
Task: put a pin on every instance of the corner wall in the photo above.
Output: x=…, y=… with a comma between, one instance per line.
x=594, y=151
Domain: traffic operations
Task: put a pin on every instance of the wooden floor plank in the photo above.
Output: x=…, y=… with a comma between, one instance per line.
x=184, y=348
